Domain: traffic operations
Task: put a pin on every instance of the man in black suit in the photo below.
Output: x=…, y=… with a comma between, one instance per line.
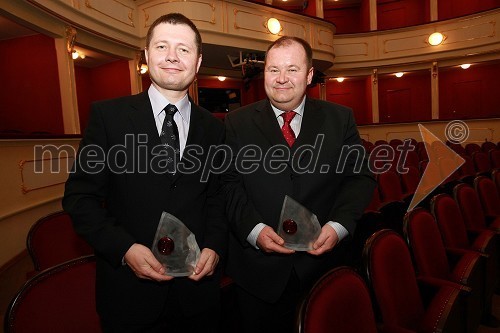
x=123, y=180
x=318, y=161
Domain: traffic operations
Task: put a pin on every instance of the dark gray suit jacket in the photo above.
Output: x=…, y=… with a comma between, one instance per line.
x=121, y=203
x=308, y=176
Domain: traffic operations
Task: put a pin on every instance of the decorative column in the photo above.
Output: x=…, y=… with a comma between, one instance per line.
x=375, y=110
x=434, y=10
x=319, y=9
x=435, y=90
x=322, y=91
x=135, y=77
x=373, y=15
x=67, y=83
x=193, y=91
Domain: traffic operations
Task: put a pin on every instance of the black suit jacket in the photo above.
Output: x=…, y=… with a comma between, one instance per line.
x=119, y=202
x=308, y=176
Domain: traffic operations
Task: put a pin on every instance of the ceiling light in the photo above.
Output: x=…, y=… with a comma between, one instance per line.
x=436, y=38
x=221, y=78
x=399, y=74
x=274, y=26
x=340, y=79
x=465, y=66
x=74, y=55
x=82, y=55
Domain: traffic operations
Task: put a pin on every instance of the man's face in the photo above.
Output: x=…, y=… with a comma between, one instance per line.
x=286, y=76
x=172, y=57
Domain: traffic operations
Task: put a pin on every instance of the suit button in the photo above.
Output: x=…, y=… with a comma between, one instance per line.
x=173, y=186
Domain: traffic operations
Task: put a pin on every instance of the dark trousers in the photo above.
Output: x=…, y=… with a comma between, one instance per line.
x=172, y=320
x=258, y=316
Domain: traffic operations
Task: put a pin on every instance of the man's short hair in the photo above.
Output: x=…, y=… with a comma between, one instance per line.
x=175, y=18
x=288, y=40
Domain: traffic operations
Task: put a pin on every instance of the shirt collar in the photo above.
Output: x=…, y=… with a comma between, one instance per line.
x=158, y=102
x=299, y=109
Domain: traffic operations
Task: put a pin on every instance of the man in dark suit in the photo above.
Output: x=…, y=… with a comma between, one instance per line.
x=315, y=146
x=123, y=180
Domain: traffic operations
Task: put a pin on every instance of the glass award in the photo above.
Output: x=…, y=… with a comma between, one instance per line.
x=298, y=227
x=175, y=246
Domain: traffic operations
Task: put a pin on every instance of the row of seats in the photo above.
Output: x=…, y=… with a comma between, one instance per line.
x=438, y=275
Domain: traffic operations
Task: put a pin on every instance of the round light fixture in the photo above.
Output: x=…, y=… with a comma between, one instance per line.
x=465, y=66
x=74, y=55
x=436, y=38
x=274, y=26
x=144, y=68
x=221, y=78
x=399, y=74
x=340, y=79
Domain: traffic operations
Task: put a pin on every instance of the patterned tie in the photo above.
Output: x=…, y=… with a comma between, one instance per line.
x=286, y=128
x=170, y=138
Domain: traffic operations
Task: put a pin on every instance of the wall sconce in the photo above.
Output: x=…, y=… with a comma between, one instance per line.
x=436, y=38
x=399, y=74
x=221, y=78
x=75, y=55
x=274, y=26
x=340, y=79
x=465, y=66
x=142, y=67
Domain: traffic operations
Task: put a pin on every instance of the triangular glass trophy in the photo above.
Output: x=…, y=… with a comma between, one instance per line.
x=175, y=246
x=298, y=227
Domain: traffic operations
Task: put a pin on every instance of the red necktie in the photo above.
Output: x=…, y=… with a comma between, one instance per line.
x=286, y=128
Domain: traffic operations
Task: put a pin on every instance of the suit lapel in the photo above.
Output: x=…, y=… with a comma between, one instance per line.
x=142, y=118
x=196, y=131
x=312, y=125
x=265, y=119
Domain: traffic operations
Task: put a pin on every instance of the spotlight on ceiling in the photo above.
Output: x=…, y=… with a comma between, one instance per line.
x=436, y=38
x=274, y=26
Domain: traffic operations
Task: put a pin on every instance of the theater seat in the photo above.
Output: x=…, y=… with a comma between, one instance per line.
x=339, y=302
x=58, y=300
x=52, y=240
x=434, y=263
x=401, y=302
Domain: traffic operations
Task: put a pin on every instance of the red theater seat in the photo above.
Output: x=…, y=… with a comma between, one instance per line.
x=338, y=302
x=52, y=240
x=399, y=299
x=58, y=300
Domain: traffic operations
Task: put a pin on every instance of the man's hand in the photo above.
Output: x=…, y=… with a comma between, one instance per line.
x=269, y=241
x=326, y=241
x=144, y=264
x=206, y=265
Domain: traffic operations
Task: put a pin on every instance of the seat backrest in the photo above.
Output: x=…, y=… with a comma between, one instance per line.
x=467, y=169
x=495, y=158
x=58, y=300
x=450, y=222
x=52, y=240
x=487, y=146
x=339, y=300
x=393, y=280
x=471, y=148
x=424, y=239
x=470, y=206
x=410, y=179
x=495, y=176
x=481, y=161
x=390, y=186
x=488, y=195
